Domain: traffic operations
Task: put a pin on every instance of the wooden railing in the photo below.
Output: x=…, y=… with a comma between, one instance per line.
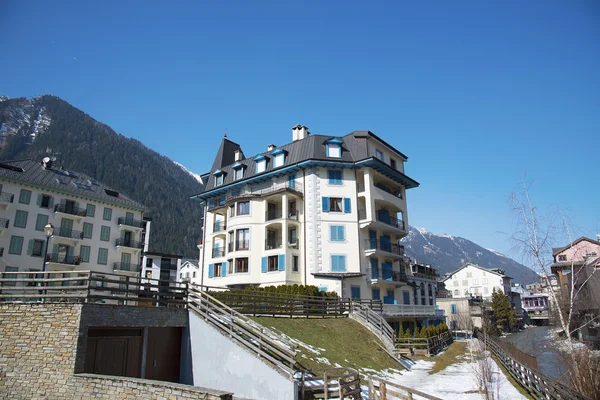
x=332, y=383
x=380, y=389
x=272, y=348
x=90, y=287
x=430, y=346
x=537, y=384
x=375, y=323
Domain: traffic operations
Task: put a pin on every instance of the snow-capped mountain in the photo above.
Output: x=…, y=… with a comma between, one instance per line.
x=447, y=253
x=195, y=176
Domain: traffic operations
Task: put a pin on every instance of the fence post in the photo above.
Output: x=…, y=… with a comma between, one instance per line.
x=325, y=385
x=382, y=391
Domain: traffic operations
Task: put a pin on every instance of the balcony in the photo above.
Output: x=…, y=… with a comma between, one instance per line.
x=239, y=245
x=408, y=310
x=423, y=271
x=385, y=246
x=4, y=222
x=293, y=244
x=68, y=233
x=127, y=267
x=134, y=244
x=293, y=216
x=136, y=223
x=6, y=197
x=219, y=226
x=70, y=210
x=274, y=243
x=394, y=192
x=170, y=266
x=63, y=259
x=388, y=275
x=220, y=202
x=386, y=218
x=218, y=252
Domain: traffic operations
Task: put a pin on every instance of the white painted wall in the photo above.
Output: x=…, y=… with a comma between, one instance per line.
x=219, y=363
x=476, y=281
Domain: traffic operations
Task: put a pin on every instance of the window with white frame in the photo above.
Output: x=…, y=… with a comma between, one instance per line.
x=219, y=180
x=333, y=148
x=239, y=173
x=279, y=160
x=379, y=154
x=261, y=164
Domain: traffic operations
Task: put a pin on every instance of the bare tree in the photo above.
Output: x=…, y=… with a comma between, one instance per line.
x=485, y=371
x=533, y=238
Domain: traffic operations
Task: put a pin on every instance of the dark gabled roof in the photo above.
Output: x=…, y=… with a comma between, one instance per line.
x=312, y=148
x=31, y=172
x=225, y=154
x=556, y=250
x=192, y=261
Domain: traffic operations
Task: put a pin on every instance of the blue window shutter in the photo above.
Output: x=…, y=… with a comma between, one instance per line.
x=263, y=264
x=325, y=204
x=210, y=270
x=341, y=233
x=334, y=263
x=453, y=308
x=347, y=207
x=342, y=263
x=332, y=232
x=331, y=177
x=224, y=269
x=281, y=262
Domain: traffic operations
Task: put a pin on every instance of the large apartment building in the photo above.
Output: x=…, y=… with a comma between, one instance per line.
x=322, y=210
x=91, y=226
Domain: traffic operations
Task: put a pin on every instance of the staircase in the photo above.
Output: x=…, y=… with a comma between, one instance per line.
x=274, y=349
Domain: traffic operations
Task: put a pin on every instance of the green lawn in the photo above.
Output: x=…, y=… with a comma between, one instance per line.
x=453, y=354
x=346, y=342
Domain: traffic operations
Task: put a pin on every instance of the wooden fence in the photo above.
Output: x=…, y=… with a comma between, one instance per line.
x=373, y=320
x=537, y=384
x=332, y=383
x=380, y=389
x=429, y=346
x=89, y=286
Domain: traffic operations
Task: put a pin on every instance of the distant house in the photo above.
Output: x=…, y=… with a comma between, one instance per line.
x=161, y=266
x=472, y=280
x=189, y=272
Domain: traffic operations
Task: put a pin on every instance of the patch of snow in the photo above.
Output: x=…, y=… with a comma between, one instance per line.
x=496, y=252
x=196, y=176
x=422, y=231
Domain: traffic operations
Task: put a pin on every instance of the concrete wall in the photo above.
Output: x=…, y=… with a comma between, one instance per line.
x=220, y=363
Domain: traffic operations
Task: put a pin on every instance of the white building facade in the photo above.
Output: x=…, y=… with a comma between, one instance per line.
x=94, y=227
x=472, y=280
x=321, y=210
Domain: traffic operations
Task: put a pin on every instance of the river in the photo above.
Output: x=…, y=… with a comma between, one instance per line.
x=536, y=341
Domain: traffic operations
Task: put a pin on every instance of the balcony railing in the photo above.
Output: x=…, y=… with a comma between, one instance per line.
x=130, y=222
x=424, y=271
x=386, y=218
x=63, y=259
x=71, y=210
x=68, y=233
x=278, y=187
x=377, y=244
x=239, y=245
x=219, y=226
x=293, y=216
x=120, y=266
x=170, y=266
x=393, y=192
x=129, y=243
x=273, y=213
x=388, y=275
x=408, y=310
x=273, y=244
x=4, y=223
x=218, y=252
x=6, y=197
x=293, y=244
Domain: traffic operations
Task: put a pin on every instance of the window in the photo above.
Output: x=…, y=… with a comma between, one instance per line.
x=355, y=292
x=278, y=160
x=469, y=274
x=335, y=204
x=10, y=276
x=393, y=163
x=241, y=265
x=239, y=173
x=337, y=233
x=90, y=211
x=25, y=196
x=454, y=283
x=219, y=180
x=484, y=281
x=456, y=293
x=322, y=289
x=243, y=208
x=475, y=281
x=452, y=308
x=37, y=247
x=243, y=239
x=335, y=177
x=333, y=148
x=45, y=201
x=232, y=210
x=406, y=297
x=218, y=270
x=261, y=166
x=84, y=253
x=194, y=275
x=20, y=219
x=107, y=214
x=562, y=258
x=295, y=266
x=41, y=222
x=376, y=294
x=16, y=245
x=102, y=256
x=379, y=154
x=465, y=282
x=272, y=263
x=88, y=230
x=105, y=233
x=338, y=263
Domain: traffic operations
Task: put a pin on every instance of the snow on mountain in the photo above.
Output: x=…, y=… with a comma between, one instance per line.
x=196, y=176
x=447, y=253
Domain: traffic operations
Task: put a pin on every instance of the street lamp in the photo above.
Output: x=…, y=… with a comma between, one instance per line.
x=49, y=232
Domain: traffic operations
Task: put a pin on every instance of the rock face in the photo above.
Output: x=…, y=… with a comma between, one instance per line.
x=447, y=253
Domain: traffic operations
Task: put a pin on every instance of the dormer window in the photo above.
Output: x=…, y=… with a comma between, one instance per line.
x=238, y=170
x=333, y=148
x=562, y=258
x=278, y=157
x=261, y=164
x=219, y=177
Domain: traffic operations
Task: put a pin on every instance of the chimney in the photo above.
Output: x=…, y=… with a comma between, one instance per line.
x=299, y=132
x=271, y=147
x=237, y=155
x=47, y=162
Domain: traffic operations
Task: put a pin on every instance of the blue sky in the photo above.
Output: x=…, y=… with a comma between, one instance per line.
x=479, y=95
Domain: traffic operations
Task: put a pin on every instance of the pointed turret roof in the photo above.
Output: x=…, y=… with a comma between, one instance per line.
x=225, y=154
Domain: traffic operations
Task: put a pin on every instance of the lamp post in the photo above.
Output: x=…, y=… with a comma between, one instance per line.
x=49, y=232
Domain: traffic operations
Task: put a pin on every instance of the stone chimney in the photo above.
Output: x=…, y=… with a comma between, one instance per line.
x=271, y=147
x=299, y=132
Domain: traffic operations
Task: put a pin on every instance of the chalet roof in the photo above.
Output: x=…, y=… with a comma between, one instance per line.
x=225, y=154
x=475, y=266
x=28, y=171
x=557, y=250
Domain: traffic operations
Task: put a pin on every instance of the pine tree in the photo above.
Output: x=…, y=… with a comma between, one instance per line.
x=505, y=316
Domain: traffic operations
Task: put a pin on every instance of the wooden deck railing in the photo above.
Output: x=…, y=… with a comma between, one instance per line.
x=431, y=345
x=273, y=348
x=375, y=323
x=380, y=389
x=332, y=383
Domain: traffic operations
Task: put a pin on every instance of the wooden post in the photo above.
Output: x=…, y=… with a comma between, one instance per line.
x=325, y=385
x=382, y=391
x=372, y=394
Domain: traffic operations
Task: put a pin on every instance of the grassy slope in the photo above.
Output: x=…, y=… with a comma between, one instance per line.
x=346, y=342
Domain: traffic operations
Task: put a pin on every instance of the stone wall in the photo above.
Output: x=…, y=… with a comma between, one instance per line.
x=90, y=386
